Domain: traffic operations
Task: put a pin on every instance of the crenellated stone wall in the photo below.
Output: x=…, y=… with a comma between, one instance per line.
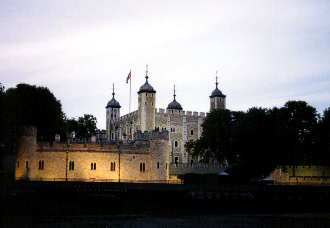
x=93, y=161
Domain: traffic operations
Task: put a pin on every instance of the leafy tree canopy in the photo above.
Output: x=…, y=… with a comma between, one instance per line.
x=32, y=105
x=260, y=139
x=83, y=127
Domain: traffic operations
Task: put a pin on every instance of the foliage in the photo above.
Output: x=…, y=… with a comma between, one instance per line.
x=2, y=100
x=215, y=140
x=297, y=125
x=32, y=105
x=83, y=127
x=260, y=139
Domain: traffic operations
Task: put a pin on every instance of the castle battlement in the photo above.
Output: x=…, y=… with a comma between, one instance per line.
x=155, y=134
x=28, y=131
x=181, y=112
x=127, y=116
x=91, y=147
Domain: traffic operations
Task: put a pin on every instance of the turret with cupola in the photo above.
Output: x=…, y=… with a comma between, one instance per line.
x=112, y=114
x=217, y=98
x=147, y=104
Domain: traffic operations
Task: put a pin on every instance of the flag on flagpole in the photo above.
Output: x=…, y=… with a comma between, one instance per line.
x=128, y=77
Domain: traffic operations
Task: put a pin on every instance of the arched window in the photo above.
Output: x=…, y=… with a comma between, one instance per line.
x=176, y=143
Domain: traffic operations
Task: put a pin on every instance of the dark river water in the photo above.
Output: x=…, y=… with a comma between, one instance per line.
x=171, y=221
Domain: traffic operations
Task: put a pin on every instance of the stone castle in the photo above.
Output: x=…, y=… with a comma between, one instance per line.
x=182, y=125
x=146, y=159
x=146, y=145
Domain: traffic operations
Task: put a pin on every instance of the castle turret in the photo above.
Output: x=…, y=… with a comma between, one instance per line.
x=217, y=99
x=25, y=159
x=112, y=113
x=147, y=104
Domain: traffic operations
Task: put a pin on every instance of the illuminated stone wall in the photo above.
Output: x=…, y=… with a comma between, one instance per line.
x=54, y=162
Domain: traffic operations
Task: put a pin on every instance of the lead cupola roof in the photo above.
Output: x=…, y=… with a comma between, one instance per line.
x=174, y=104
x=113, y=103
x=146, y=87
x=217, y=92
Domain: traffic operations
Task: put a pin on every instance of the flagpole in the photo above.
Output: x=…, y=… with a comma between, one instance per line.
x=130, y=86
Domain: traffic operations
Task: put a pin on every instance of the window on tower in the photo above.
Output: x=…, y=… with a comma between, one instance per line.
x=71, y=165
x=113, y=166
x=41, y=165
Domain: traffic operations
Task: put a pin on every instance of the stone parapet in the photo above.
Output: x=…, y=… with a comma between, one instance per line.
x=155, y=134
x=200, y=168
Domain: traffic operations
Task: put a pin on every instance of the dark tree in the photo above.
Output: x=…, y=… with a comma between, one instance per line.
x=83, y=127
x=321, y=152
x=297, y=125
x=37, y=106
x=254, y=143
x=214, y=142
x=2, y=103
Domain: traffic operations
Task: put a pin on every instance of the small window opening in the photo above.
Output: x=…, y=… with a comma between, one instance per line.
x=71, y=165
x=142, y=167
x=113, y=166
x=41, y=165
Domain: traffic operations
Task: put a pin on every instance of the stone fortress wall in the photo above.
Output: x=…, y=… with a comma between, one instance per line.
x=305, y=175
x=146, y=159
x=182, y=126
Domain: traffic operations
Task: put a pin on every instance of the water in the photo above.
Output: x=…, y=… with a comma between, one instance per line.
x=173, y=221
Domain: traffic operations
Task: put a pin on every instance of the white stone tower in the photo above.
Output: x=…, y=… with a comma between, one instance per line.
x=147, y=104
x=112, y=113
x=217, y=99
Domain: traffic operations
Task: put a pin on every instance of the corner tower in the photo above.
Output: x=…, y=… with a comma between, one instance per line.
x=147, y=104
x=217, y=99
x=112, y=113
